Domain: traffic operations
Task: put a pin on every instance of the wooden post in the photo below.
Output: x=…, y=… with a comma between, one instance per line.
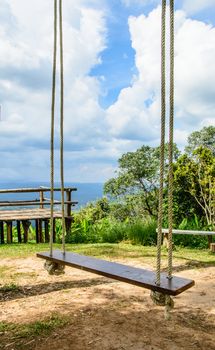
x=212, y=246
x=37, y=231
x=19, y=231
x=46, y=231
x=165, y=240
x=40, y=230
x=9, y=232
x=54, y=231
x=26, y=224
x=68, y=199
x=68, y=211
x=41, y=199
x=1, y=232
x=210, y=239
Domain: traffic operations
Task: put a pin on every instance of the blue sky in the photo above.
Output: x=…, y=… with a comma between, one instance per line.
x=118, y=59
x=112, y=83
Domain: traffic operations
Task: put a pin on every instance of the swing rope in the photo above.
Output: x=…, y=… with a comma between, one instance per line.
x=171, y=131
x=52, y=128
x=159, y=298
x=62, y=125
x=162, y=144
x=52, y=267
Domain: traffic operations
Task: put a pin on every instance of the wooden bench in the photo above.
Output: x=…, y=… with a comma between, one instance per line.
x=209, y=234
x=34, y=209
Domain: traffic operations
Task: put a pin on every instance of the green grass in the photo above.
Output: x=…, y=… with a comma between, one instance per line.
x=12, y=287
x=31, y=330
x=6, y=327
x=107, y=250
x=19, y=336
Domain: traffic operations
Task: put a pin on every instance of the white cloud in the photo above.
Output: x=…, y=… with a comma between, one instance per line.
x=94, y=137
x=25, y=87
x=136, y=114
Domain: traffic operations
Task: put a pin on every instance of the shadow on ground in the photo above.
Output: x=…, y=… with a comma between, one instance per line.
x=18, y=292
x=121, y=326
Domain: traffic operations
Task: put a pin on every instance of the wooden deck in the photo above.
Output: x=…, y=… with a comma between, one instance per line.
x=28, y=214
x=28, y=210
x=136, y=276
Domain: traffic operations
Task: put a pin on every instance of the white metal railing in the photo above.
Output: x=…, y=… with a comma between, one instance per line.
x=189, y=232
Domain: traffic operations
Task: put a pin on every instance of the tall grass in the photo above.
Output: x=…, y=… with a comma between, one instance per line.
x=109, y=230
x=87, y=229
x=142, y=232
x=113, y=232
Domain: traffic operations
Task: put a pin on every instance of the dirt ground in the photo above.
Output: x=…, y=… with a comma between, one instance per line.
x=107, y=315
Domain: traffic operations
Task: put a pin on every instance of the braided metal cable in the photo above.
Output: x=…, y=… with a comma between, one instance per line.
x=171, y=130
x=162, y=144
x=52, y=128
x=62, y=124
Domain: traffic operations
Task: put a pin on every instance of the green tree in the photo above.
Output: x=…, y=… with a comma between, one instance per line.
x=205, y=138
x=195, y=180
x=138, y=178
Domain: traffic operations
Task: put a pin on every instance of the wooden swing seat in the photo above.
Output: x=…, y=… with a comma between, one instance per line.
x=133, y=275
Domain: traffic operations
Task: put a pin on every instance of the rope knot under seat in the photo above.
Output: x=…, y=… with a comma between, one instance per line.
x=161, y=299
x=54, y=268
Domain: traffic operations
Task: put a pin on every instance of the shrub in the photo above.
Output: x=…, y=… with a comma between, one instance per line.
x=95, y=211
x=113, y=232
x=142, y=232
x=192, y=241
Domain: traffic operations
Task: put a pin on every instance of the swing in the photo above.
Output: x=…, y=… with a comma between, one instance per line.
x=162, y=285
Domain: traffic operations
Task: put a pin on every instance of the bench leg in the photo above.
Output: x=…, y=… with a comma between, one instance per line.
x=19, y=232
x=46, y=231
x=165, y=240
x=54, y=232
x=40, y=231
x=212, y=247
x=1, y=232
x=9, y=232
x=37, y=231
x=68, y=223
x=210, y=240
x=26, y=224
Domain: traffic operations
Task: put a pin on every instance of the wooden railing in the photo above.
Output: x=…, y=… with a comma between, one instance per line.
x=34, y=209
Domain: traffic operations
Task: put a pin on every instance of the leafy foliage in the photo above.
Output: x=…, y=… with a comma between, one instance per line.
x=137, y=179
x=130, y=210
x=195, y=179
x=204, y=138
